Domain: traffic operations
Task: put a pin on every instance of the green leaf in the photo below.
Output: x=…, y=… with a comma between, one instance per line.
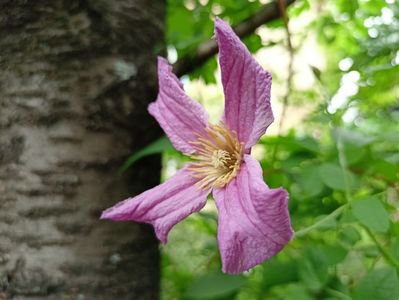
x=296, y=9
x=294, y=291
x=328, y=223
x=390, y=136
x=310, y=181
x=253, y=42
x=309, y=144
x=206, y=71
x=334, y=177
x=312, y=269
x=371, y=212
x=353, y=153
x=349, y=236
x=158, y=146
x=334, y=253
x=316, y=72
x=395, y=229
x=348, y=6
x=388, y=170
x=214, y=285
x=395, y=248
x=205, y=222
x=352, y=137
x=380, y=284
x=276, y=272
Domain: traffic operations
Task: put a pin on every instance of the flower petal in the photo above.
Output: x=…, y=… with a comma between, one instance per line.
x=246, y=87
x=179, y=116
x=254, y=222
x=162, y=206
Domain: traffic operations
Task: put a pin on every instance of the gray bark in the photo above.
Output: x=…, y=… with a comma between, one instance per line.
x=76, y=78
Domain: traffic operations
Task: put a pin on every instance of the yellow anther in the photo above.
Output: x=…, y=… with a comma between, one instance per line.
x=218, y=158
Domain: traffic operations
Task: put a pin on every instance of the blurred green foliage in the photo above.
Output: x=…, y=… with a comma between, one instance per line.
x=197, y=17
x=340, y=166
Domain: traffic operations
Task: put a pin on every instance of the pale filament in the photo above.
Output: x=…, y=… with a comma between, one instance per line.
x=218, y=158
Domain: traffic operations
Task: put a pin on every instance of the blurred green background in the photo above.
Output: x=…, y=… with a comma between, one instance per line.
x=334, y=147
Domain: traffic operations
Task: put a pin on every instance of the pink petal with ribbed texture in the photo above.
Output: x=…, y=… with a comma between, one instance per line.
x=246, y=87
x=179, y=116
x=254, y=222
x=162, y=206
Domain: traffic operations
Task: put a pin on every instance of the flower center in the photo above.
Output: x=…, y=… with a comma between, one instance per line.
x=218, y=158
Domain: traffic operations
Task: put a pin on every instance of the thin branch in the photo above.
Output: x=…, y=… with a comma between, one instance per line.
x=389, y=258
x=283, y=11
x=344, y=166
x=333, y=215
x=207, y=49
x=338, y=294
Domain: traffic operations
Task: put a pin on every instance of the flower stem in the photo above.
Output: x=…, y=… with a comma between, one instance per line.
x=331, y=216
x=344, y=167
x=387, y=256
x=338, y=294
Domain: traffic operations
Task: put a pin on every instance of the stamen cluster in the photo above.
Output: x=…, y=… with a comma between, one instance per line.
x=218, y=158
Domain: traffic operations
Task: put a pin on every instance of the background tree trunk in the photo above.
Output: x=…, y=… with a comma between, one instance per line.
x=76, y=78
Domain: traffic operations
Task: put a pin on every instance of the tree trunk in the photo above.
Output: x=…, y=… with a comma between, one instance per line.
x=76, y=78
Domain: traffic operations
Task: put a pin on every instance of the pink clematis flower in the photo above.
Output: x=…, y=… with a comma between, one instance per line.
x=253, y=220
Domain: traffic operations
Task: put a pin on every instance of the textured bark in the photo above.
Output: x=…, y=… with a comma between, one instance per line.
x=76, y=78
